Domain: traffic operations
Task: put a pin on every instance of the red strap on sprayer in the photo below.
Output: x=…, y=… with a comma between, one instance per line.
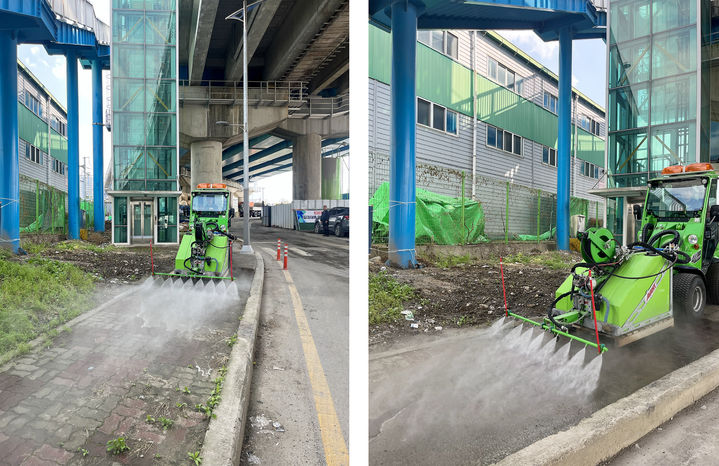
x=504, y=290
x=594, y=313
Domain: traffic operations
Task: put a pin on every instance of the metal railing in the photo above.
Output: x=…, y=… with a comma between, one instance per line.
x=323, y=106
x=600, y=5
x=81, y=13
x=293, y=93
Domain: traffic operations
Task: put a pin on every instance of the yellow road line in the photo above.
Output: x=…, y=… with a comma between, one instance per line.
x=332, y=439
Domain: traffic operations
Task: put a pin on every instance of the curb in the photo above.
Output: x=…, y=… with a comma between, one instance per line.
x=617, y=426
x=224, y=436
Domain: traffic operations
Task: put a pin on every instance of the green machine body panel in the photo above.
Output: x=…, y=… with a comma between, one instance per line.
x=633, y=304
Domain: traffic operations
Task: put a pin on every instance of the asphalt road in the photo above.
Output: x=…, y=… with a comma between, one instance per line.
x=284, y=390
x=466, y=398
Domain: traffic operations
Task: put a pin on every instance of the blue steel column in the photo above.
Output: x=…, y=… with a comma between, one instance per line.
x=402, y=150
x=563, y=140
x=9, y=168
x=73, y=149
x=98, y=197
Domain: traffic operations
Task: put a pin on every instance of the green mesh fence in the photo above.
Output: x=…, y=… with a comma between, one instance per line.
x=42, y=207
x=439, y=219
x=88, y=214
x=577, y=206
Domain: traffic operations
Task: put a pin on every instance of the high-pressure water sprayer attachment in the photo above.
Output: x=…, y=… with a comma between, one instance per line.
x=628, y=292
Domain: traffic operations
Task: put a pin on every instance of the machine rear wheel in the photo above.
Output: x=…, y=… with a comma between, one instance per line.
x=338, y=229
x=713, y=284
x=690, y=297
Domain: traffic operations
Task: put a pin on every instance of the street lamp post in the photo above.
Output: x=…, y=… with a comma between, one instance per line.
x=246, y=247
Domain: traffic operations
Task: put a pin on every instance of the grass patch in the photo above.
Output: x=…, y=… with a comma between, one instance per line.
x=75, y=245
x=37, y=296
x=552, y=260
x=387, y=297
x=448, y=261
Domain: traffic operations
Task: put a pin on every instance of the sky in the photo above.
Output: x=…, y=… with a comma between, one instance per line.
x=589, y=58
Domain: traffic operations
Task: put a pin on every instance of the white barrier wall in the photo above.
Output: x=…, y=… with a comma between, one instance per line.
x=283, y=215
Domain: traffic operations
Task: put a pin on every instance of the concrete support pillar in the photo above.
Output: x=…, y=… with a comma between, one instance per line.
x=73, y=148
x=402, y=191
x=206, y=165
x=307, y=167
x=331, y=178
x=9, y=167
x=98, y=194
x=564, y=135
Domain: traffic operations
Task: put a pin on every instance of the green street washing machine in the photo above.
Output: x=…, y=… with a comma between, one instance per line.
x=206, y=249
x=667, y=275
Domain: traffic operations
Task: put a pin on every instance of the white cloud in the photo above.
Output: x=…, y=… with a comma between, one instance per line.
x=545, y=52
x=35, y=49
x=58, y=68
x=575, y=81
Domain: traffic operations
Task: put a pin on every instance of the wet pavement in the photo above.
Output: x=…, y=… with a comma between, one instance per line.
x=156, y=352
x=462, y=399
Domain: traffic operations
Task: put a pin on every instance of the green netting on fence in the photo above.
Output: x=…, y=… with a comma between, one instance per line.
x=439, y=219
x=88, y=214
x=42, y=207
x=577, y=206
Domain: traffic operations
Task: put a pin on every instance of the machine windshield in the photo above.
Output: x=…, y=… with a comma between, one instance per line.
x=676, y=198
x=209, y=203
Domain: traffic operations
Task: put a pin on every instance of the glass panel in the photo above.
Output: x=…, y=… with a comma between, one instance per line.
x=136, y=220
x=500, y=138
x=161, y=186
x=161, y=96
x=452, y=45
x=628, y=158
x=508, y=141
x=423, y=37
x=147, y=219
x=672, y=145
x=517, y=146
x=629, y=107
x=519, y=86
x=674, y=99
x=160, y=28
x=160, y=4
x=129, y=129
x=492, y=68
x=438, y=41
x=502, y=75
x=629, y=63
x=128, y=61
x=510, y=80
x=451, y=122
x=160, y=163
x=128, y=164
x=674, y=53
x=128, y=27
x=673, y=14
x=129, y=4
x=438, y=117
x=120, y=212
x=160, y=62
x=423, y=112
x=491, y=136
x=553, y=157
x=629, y=20
x=129, y=95
x=161, y=130
x=545, y=154
x=167, y=210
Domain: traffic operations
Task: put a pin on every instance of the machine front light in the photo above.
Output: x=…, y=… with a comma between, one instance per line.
x=692, y=239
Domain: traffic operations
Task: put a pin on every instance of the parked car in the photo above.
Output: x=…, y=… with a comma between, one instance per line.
x=339, y=221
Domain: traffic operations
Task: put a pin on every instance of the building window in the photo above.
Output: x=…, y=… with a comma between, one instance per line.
x=33, y=104
x=441, y=41
x=436, y=116
x=58, y=126
x=504, y=76
x=58, y=167
x=33, y=154
x=550, y=102
x=504, y=140
x=590, y=125
x=590, y=170
x=549, y=156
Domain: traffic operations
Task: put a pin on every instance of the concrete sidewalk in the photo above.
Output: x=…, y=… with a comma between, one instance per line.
x=154, y=352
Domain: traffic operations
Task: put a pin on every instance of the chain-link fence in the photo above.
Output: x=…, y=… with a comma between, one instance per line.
x=42, y=207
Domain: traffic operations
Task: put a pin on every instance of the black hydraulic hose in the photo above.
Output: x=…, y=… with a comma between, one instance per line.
x=656, y=236
x=647, y=231
x=554, y=303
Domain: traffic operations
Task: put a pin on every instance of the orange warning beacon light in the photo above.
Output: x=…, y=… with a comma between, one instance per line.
x=698, y=167
x=211, y=186
x=673, y=170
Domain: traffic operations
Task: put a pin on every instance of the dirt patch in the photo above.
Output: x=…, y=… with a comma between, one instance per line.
x=468, y=295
